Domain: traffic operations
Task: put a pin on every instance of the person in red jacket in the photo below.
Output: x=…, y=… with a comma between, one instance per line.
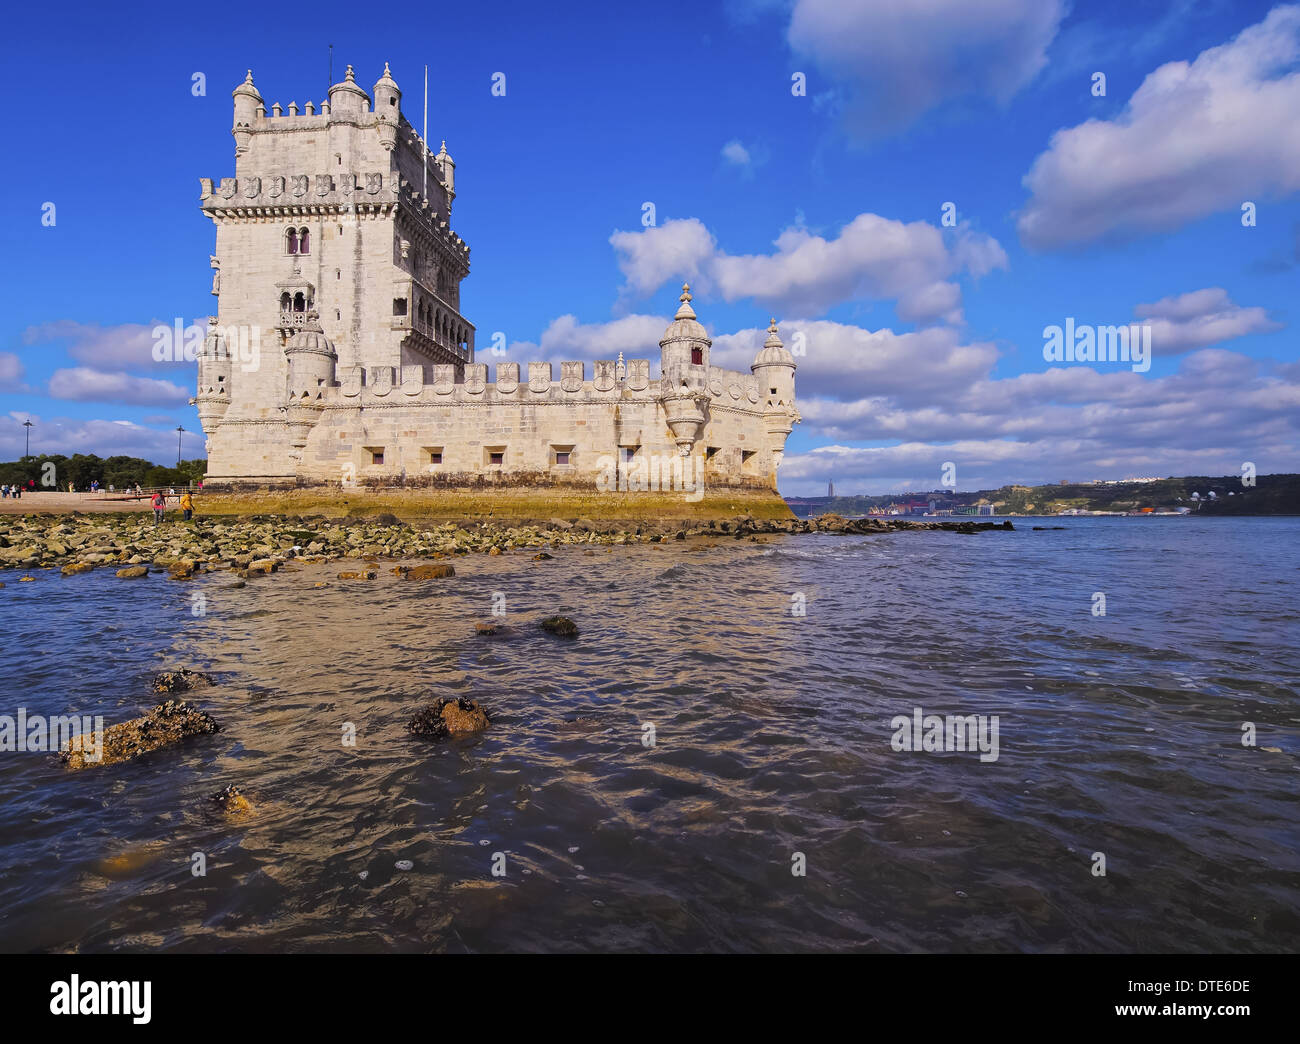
x=159, y=506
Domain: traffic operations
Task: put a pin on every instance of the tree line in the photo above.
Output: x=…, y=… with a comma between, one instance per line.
x=82, y=468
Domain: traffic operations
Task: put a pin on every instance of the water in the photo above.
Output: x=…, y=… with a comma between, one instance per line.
x=1118, y=734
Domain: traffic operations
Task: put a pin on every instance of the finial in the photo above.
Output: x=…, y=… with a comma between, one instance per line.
x=686, y=293
x=443, y=150
x=349, y=77
x=249, y=78
x=771, y=325
x=620, y=356
x=386, y=71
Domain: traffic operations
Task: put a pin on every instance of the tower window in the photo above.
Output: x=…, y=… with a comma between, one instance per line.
x=304, y=241
x=377, y=456
x=299, y=302
x=291, y=241
x=697, y=356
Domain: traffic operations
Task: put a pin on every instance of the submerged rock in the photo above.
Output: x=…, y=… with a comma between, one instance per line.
x=448, y=718
x=489, y=627
x=180, y=681
x=165, y=725
x=369, y=574
x=76, y=567
x=542, y=556
x=132, y=572
x=230, y=799
x=428, y=572
x=560, y=625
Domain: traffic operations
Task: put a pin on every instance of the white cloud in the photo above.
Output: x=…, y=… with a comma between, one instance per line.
x=736, y=153
x=1199, y=319
x=124, y=346
x=82, y=384
x=899, y=60
x=872, y=257
x=104, y=438
x=11, y=372
x=1196, y=138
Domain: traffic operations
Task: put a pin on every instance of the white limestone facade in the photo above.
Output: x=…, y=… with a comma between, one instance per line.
x=339, y=353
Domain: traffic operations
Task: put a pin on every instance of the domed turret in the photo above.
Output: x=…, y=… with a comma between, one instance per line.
x=388, y=100
x=347, y=98
x=684, y=371
x=312, y=362
x=774, y=368
x=447, y=167
x=213, y=397
x=247, y=103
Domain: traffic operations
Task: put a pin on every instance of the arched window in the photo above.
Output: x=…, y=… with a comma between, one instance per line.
x=697, y=356
x=299, y=302
x=291, y=241
x=304, y=241
x=284, y=301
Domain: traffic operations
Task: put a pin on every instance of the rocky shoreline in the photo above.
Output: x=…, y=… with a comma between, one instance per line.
x=133, y=546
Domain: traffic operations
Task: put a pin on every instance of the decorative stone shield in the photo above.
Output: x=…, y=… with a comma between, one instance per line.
x=507, y=377
x=347, y=183
x=252, y=187
x=715, y=387
x=604, y=378
x=475, y=378
x=227, y=189
x=277, y=188
x=300, y=184
x=751, y=389
x=412, y=380
x=374, y=182
x=571, y=376
x=733, y=389
x=324, y=183
x=381, y=379
x=350, y=378
x=539, y=377
x=638, y=374
x=444, y=378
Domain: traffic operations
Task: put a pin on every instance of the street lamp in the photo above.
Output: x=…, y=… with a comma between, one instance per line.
x=28, y=425
x=179, y=430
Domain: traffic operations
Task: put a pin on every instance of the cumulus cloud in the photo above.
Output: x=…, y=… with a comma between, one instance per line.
x=1199, y=319
x=896, y=61
x=123, y=346
x=1196, y=138
x=104, y=438
x=82, y=384
x=11, y=372
x=872, y=257
x=566, y=339
x=736, y=153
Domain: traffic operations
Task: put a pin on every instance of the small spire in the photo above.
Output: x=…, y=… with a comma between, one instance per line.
x=386, y=70
x=350, y=77
x=685, y=311
x=771, y=325
x=249, y=78
x=443, y=151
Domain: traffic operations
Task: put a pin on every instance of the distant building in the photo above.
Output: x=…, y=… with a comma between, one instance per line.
x=830, y=489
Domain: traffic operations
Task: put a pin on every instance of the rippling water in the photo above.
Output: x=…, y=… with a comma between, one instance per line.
x=1118, y=734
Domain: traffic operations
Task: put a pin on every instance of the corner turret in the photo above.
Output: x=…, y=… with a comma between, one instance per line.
x=774, y=368
x=248, y=102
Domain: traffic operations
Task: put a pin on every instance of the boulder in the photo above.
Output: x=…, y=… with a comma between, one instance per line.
x=448, y=718
x=428, y=572
x=183, y=680
x=132, y=572
x=76, y=567
x=230, y=799
x=560, y=625
x=165, y=725
x=368, y=574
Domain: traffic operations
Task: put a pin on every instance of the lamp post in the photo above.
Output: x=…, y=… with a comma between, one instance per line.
x=179, y=430
x=28, y=425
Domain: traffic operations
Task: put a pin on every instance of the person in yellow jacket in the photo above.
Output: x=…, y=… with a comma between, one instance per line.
x=187, y=506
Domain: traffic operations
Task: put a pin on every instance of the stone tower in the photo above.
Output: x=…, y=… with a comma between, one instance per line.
x=336, y=224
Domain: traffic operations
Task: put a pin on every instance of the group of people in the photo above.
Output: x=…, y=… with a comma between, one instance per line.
x=159, y=504
x=15, y=491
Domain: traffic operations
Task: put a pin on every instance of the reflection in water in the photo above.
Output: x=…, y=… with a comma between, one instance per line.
x=1119, y=735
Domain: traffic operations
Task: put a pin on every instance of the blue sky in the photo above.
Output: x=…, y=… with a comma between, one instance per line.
x=924, y=343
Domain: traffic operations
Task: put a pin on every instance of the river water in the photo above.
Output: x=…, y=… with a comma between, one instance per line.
x=563, y=828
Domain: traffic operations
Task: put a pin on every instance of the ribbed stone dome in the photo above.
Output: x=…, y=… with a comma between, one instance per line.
x=311, y=338
x=685, y=327
x=773, y=352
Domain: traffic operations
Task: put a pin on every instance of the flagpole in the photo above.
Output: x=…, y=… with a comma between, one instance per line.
x=424, y=161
